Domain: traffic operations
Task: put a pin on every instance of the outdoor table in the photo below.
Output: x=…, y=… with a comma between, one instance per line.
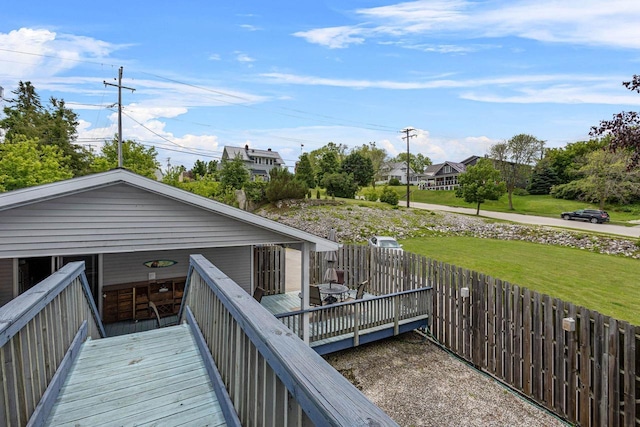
x=333, y=289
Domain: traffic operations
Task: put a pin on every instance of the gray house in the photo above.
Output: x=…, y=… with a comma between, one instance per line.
x=132, y=232
x=444, y=176
x=259, y=162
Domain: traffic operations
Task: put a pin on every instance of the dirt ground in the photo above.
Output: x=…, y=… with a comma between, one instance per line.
x=418, y=384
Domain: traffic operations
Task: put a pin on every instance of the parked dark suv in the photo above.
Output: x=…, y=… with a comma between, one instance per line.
x=591, y=215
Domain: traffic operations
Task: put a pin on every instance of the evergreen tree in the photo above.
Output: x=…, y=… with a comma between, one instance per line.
x=543, y=178
x=304, y=171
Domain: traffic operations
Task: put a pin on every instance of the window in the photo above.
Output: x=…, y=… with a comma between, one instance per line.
x=447, y=169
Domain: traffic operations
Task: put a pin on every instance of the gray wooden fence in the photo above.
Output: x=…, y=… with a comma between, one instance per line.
x=269, y=268
x=576, y=362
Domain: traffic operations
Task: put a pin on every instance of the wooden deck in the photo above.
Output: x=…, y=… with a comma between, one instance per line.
x=339, y=326
x=153, y=378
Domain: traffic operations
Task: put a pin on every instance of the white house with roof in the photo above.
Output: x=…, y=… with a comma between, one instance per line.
x=259, y=162
x=444, y=176
x=130, y=231
x=398, y=170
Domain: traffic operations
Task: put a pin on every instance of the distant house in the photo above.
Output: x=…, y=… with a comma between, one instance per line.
x=444, y=176
x=398, y=170
x=259, y=162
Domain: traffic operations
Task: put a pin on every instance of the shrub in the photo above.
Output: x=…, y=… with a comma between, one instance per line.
x=371, y=194
x=340, y=185
x=389, y=196
x=520, y=192
x=394, y=182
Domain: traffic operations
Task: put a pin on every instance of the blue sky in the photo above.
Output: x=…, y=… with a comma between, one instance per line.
x=295, y=75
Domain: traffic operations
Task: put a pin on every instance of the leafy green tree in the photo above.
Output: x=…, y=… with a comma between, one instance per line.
x=479, y=183
x=234, y=174
x=199, y=169
x=514, y=159
x=256, y=191
x=360, y=167
x=172, y=175
x=52, y=125
x=340, y=185
x=417, y=162
x=377, y=157
x=624, y=129
x=25, y=163
x=327, y=165
x=304, y=171
x=135, y=157
x=389, y=196
x=566, y=161
x=315, y=156
x=606, y=178
x=283, y=185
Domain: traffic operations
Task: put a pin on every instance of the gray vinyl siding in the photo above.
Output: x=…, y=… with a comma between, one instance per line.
x=120, y=218
x=6, y=281
x=235, y=262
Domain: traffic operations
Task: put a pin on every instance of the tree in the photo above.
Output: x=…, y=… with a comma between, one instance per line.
x=234, y=174
x=543, y=178
x=135, y=157
x=25, y=163
x=53, y=125
x=377, y=157
x=417, y=162
x=479, y=183
x=304, y=171
x=199, y=169
x=606, y=178
x=340, y=185
x=624, y=129
x=360, y=167
x=283, y=185
x=389, y=196
x=315, y=157
x=566, y=161
x=513, y=158
x=327, y=165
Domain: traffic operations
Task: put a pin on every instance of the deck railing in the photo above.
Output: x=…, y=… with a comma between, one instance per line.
x=40, y=333
x=271, y=376
x=361, y=316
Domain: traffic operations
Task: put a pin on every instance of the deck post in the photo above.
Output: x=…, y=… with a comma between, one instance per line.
x=305, y=254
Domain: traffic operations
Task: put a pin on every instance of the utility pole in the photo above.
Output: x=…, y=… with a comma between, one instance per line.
x=408, y=137
x=120, y=87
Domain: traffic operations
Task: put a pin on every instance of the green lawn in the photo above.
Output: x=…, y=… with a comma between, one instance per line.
x=605, y=283
x=532, y=205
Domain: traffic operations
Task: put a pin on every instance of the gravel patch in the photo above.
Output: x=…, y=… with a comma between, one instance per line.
x=356, y=223
x=418, y=384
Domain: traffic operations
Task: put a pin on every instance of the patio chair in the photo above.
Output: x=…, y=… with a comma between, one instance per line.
x=258, y=293
x=314, y=296
x=162, y=321
x=340, y=274
x=360, y=290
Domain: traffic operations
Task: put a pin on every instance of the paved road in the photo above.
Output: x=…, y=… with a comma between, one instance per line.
x=538, y=220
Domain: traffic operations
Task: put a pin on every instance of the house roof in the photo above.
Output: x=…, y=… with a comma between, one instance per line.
x=32, y=195
x=433, y=170
x=247, y=154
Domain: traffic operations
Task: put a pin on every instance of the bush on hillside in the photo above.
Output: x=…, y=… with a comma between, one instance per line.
x=389, y=196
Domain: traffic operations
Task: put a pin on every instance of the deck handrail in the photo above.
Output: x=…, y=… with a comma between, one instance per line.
x=356, y=317
x=38, y=330
x=272, y=377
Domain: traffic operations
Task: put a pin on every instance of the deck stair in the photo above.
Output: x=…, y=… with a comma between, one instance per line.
x=148, y=378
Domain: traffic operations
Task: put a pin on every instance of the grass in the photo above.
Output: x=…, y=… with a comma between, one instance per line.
x=531, y=205
x=605, y=283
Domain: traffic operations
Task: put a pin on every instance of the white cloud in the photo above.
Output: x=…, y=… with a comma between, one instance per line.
x=250, y=27
x=333, y=37
x=244, y=58
x=214, y=57
x=589, y=22
x=42, y=53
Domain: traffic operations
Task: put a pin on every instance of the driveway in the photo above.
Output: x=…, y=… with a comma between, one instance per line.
x=538, y=220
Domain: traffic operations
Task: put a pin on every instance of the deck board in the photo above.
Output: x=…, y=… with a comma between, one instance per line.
x=149, y=378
